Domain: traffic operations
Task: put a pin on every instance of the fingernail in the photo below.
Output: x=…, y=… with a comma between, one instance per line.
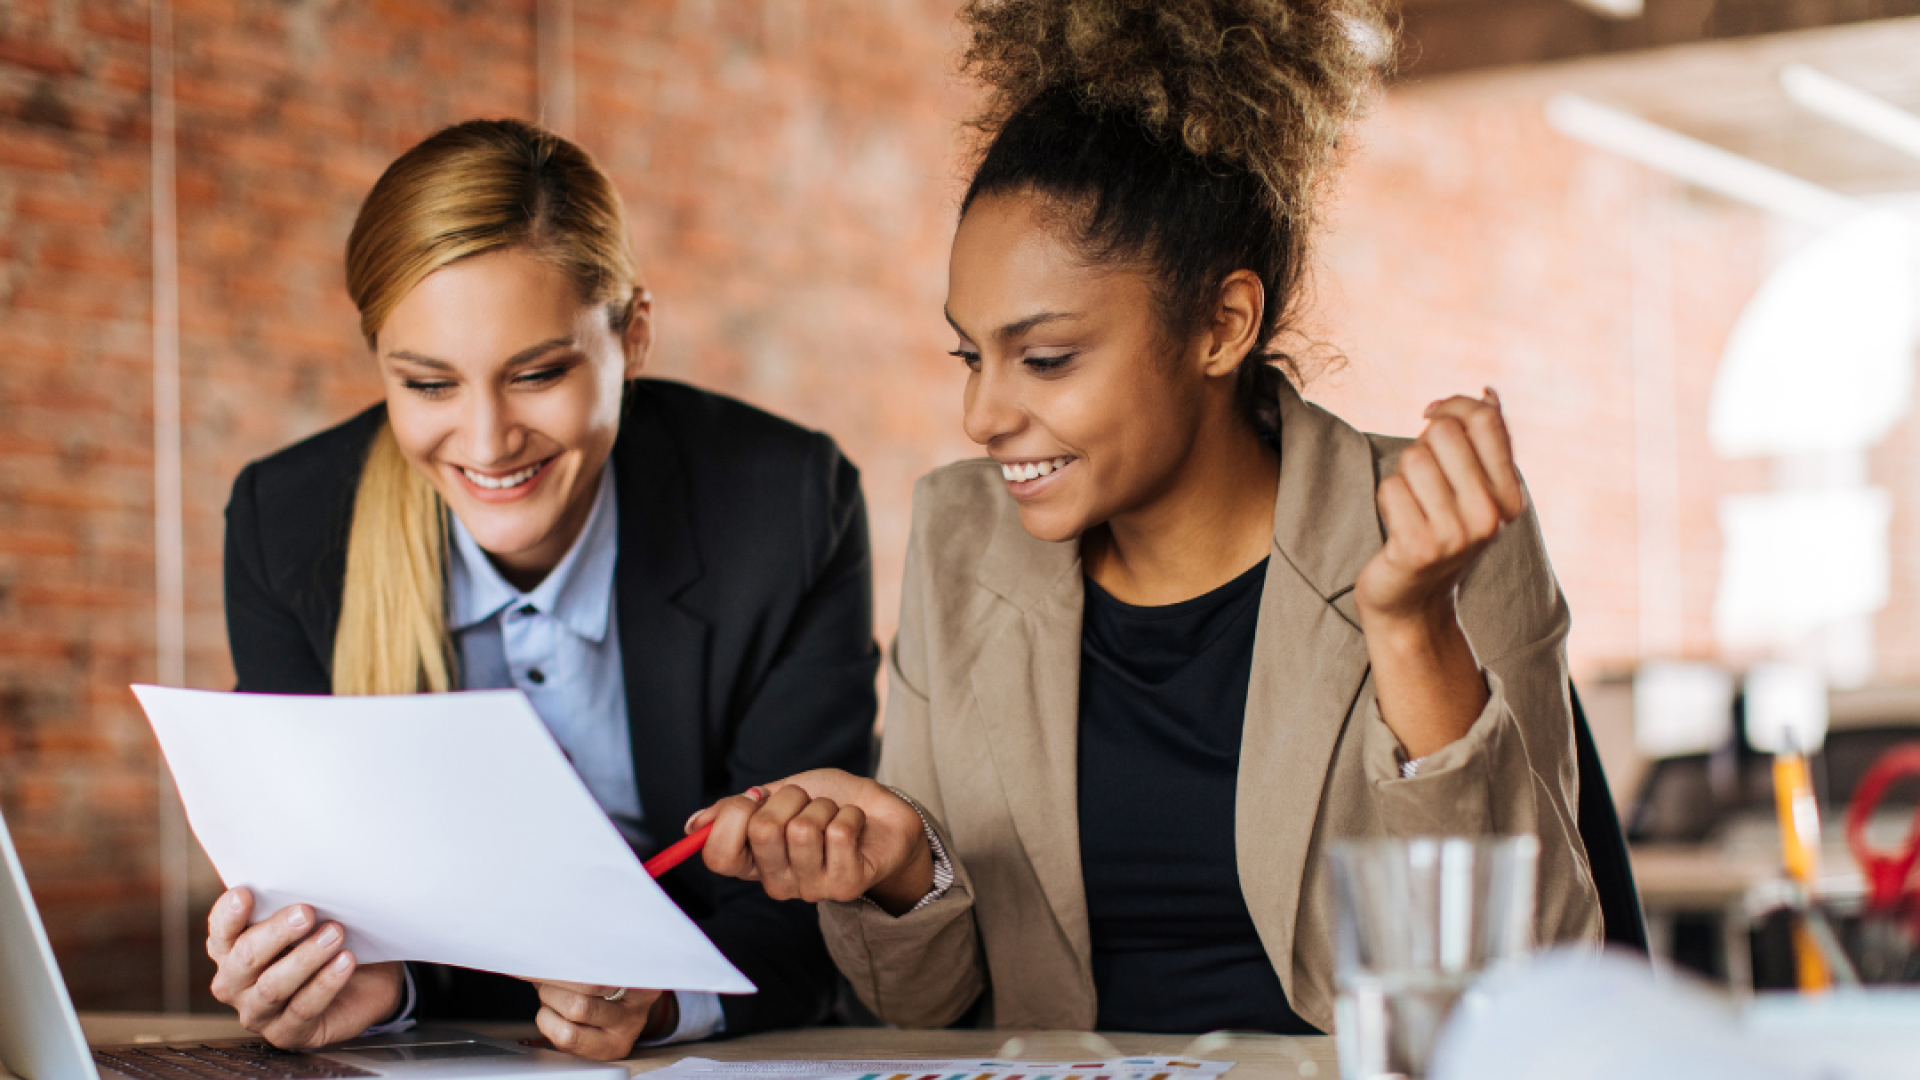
x=1431, y=405
x=297, y=919
x=235, y=900
x=330, y=935
x=688, y=827
x=343, y=960
x=757, y=794
x=1492, y=394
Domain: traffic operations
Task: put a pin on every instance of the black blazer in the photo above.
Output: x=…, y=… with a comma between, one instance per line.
x=745, y=604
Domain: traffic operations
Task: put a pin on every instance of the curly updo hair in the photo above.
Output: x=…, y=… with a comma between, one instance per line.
x=1194, y=137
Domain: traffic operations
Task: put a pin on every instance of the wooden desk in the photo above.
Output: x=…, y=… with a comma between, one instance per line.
x=1697, y=878
x=1258, y=1057
x=1736, y=889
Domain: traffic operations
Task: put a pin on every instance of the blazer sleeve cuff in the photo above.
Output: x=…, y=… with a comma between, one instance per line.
x=1447, y=791
x=942, y=865
x=919, y=969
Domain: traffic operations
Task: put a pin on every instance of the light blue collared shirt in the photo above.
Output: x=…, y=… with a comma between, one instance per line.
x=560, y=645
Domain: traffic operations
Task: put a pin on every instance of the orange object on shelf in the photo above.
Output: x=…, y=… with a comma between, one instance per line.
x=1800, y=847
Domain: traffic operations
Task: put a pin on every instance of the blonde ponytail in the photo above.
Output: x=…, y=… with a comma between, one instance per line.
x=481, y=186
x=392, y=637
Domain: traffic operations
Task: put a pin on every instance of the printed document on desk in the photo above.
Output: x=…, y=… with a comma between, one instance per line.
x=439, y=827
x=1133, y=1068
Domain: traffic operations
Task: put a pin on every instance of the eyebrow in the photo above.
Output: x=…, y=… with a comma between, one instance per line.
x=1015, y=329
x=531, y=352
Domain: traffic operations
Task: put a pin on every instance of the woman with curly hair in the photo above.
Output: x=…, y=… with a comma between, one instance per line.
x=1182, y=629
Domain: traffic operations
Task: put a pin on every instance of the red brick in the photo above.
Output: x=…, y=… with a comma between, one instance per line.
x=69, y=742
x=14, y=543
x=129, y=73
x=38, y=795
x=131, y=24
x=92, y=892
x=65, y=499
x=25, y=148
x=38, y=295
x=124, y=797
x=40, y=56
x=46, y=849
x=118, y=264
x=64, y=209
x=126, y=172
x=32, y=351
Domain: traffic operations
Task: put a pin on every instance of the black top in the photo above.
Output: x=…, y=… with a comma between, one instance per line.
x=744, y=595
x=1163, y=697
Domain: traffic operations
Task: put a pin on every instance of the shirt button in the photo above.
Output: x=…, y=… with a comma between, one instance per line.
x=535, y=676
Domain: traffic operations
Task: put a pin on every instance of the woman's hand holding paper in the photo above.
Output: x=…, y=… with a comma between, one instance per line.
x=822, y=835
x=294, y=983
x=590, y=1022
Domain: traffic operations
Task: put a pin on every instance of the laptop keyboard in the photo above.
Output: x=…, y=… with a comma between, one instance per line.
x=243, y=1061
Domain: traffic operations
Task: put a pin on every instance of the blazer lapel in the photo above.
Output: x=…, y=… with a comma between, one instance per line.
x=662, y=645
x=1026, y=682
x=1310, y=663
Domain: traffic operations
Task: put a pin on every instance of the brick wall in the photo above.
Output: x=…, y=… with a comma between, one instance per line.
x=1473, y=246
x=789, y=167
x=76, y=508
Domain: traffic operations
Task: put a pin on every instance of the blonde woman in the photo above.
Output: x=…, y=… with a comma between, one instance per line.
x=679, y=582
x=1181, y=629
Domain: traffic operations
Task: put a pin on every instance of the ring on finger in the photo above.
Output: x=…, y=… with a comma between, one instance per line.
x=616, y=995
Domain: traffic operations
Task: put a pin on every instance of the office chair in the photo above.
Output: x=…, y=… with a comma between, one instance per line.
x=1626, y=924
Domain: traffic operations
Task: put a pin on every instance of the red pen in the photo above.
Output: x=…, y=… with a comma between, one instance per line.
x=678, y=852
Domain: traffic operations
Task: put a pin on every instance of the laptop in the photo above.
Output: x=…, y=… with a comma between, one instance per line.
x=40, y=1037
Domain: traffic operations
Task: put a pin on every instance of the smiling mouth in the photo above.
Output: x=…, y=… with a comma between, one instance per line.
x=1019, y=472
x=501, y=483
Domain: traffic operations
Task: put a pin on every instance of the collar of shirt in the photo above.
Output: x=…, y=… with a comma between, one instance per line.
x=578, y=593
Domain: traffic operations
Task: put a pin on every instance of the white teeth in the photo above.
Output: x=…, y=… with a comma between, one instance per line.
x=1032, y=470
x=493, y=483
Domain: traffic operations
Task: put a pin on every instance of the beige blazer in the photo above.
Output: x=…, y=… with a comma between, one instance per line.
x=982, y=715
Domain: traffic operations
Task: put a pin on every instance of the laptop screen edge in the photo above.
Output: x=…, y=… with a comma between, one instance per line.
x=40, y=1036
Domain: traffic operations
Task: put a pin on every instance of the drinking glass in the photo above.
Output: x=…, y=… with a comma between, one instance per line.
x=1416, y=920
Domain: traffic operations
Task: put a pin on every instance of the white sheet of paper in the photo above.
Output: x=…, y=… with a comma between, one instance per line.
x=439, y=827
